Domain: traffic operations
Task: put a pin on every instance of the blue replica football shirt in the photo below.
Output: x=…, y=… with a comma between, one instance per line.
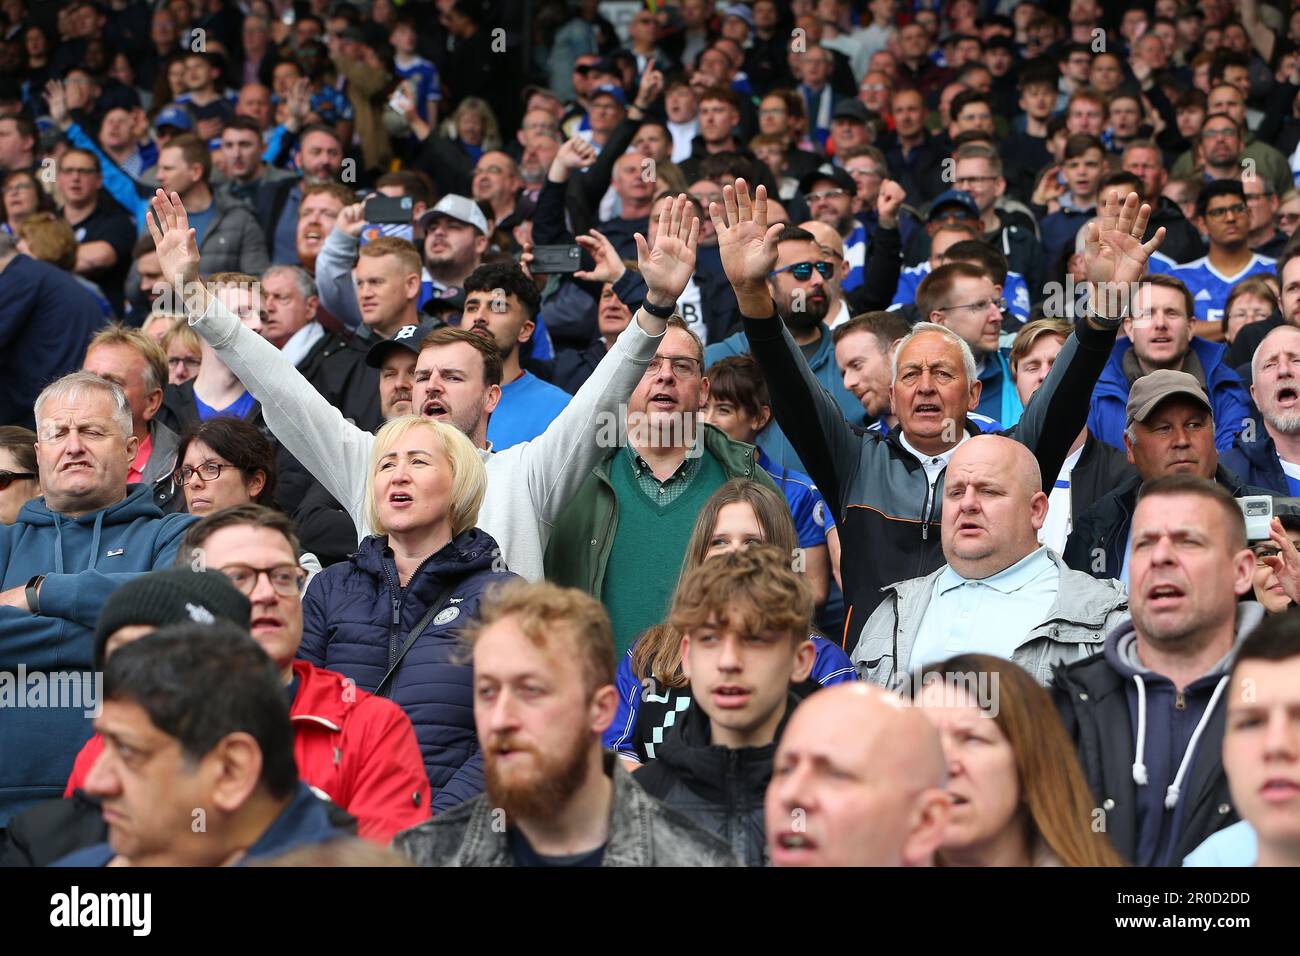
x=1210, y=287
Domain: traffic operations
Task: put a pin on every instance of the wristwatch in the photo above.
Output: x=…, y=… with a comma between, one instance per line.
x=659, y=311
x=1103, y=321
x=33, y=601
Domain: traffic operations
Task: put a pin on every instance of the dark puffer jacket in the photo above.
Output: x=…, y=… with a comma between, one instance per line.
x=356, y=617
x=719, y=789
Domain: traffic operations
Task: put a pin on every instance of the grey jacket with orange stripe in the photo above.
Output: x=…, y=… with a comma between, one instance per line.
x=887, y=513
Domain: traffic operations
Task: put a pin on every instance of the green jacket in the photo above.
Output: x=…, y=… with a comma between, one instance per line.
x=584, y=532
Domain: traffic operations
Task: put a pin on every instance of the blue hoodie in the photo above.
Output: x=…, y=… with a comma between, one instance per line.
x=83, y=560
x=1228, y=396
x=304, y=821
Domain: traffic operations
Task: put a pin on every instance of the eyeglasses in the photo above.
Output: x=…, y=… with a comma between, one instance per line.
x=1226, y=133
x=803, y=270
x=826, y=194
x=7, y=478
x=178, y=362
x=682, y=366
x=288, y=580
x=981, y=306
x=1250, y=315
x=964, y=181
x=19, y=188
x=866, y=174
x=1290, y=218
x=208, y=471
x=1236, y=209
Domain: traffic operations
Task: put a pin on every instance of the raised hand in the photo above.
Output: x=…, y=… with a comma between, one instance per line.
x=888, y=200
x=652, y=82
x=609, y=265
x=574, y=154
x=1115, y=256
x=299, y=103
x=58, y=102
x=667, y=267
x=746, y=243
x=178, y=250
x=1048, y=188
x=1286, y=564
x=352, y=220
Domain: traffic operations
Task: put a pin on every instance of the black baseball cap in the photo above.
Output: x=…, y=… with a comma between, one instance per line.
x=834, y=174
x=408, y=337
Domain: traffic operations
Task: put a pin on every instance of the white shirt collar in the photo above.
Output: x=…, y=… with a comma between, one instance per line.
x=933, y=464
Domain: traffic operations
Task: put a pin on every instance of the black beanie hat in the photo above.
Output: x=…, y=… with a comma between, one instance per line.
x=173, y=596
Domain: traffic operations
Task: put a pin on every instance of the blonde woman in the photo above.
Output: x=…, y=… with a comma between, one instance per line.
x=389, y=617
x=652, y=689
x=184, y=354
x=473, y=127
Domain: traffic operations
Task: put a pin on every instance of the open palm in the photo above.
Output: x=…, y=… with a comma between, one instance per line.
x=1114, y=254
x=746, y=243
x=178, y=250
x=667, y=267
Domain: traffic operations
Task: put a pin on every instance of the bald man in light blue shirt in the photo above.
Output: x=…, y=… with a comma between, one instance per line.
x=1000, y=592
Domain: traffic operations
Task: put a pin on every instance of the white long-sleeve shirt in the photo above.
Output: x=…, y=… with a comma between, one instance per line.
x=528, y=485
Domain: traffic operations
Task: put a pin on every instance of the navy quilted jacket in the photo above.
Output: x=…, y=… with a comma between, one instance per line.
x=355, y=618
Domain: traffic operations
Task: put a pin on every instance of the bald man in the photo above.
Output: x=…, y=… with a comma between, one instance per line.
x=1000, y=592
x=837, y=311
x=1272, y=460
x=858, y=780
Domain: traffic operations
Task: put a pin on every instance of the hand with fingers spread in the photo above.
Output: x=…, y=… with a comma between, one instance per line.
x=609, y=266
x=746, y=243
x=178, y=250
x=667, y=267
x=1286, y=563
x=1115, y=257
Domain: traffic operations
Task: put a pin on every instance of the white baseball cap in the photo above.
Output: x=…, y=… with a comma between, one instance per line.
x=460, y=208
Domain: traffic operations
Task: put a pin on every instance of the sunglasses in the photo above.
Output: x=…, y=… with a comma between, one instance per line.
x=7, y=478
x=803, y=270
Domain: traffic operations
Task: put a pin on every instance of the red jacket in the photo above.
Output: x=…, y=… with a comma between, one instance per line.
x=355, y=748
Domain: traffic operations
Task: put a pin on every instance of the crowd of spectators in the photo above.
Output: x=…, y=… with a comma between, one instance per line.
x=802, y=433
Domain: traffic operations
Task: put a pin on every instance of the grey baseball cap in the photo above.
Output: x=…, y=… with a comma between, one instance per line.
x=1150, y=390
x=461, y=208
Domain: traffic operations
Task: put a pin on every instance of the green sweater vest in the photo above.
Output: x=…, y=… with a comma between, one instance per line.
x=649, y=545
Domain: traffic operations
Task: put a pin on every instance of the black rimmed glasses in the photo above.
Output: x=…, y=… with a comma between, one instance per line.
x=288, y=580
x=208, y=471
